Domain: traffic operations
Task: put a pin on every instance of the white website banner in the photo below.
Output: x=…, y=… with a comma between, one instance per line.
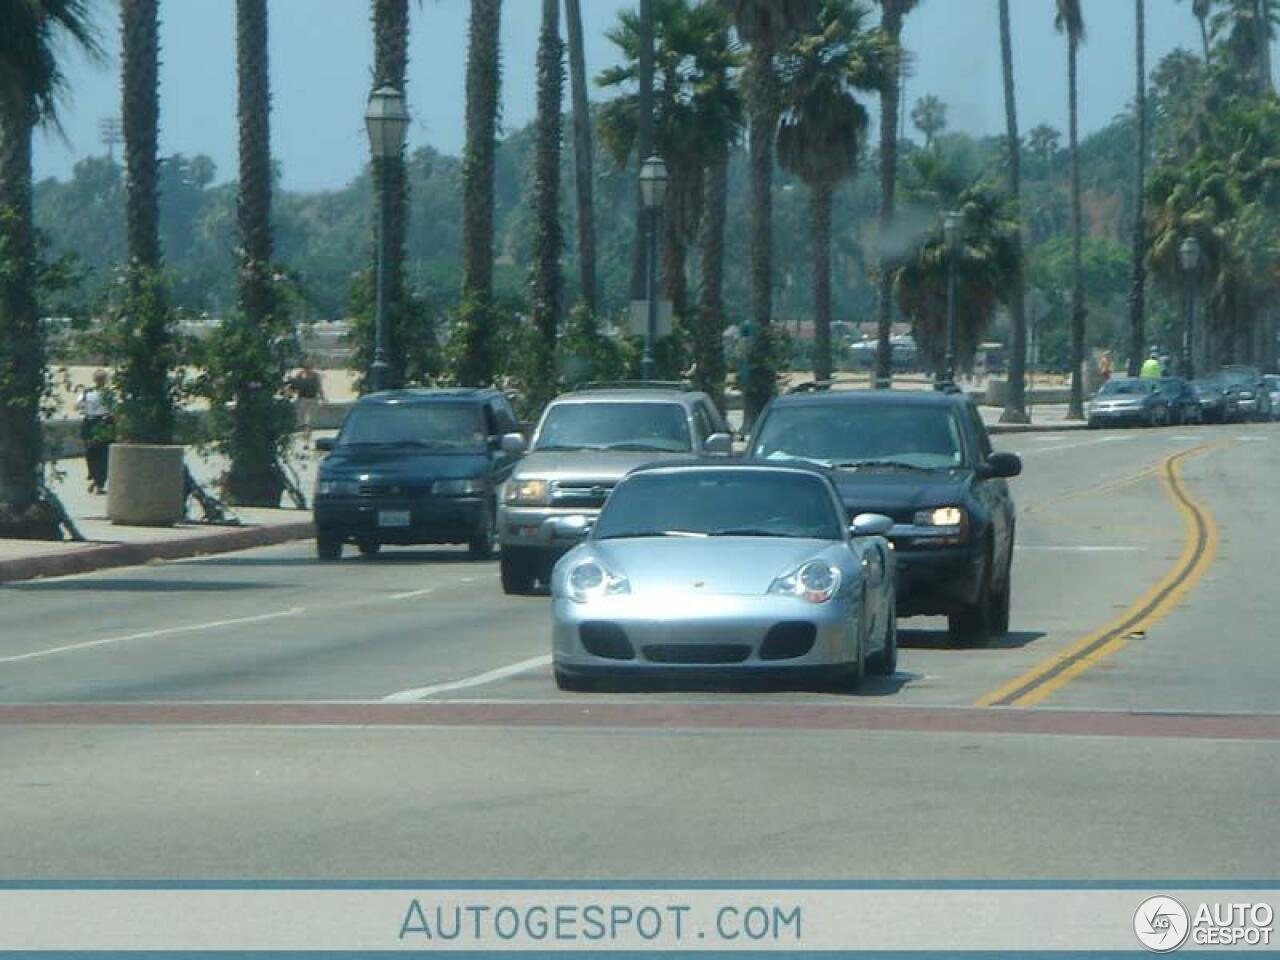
x=944, y=919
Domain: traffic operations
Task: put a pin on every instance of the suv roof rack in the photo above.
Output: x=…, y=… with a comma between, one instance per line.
x=810, y=386
x=634, y=385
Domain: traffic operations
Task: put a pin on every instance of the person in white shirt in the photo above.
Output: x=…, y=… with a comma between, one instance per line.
x=97, y=428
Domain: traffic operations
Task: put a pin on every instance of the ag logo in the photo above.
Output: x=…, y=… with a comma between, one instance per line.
x=1161, y=924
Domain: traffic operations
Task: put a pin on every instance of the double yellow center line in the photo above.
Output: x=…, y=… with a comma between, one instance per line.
x=1199, y=549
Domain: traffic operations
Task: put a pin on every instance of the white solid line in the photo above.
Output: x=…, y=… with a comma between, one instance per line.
x=1075, y=446
x=151, y=634
x=411, y=594
x=502, y=673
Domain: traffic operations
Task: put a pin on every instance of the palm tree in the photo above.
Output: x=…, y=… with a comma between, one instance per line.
x=930, y=117
x=892, y=13
x=708, y=342
x=1201, y=10
x=390, y=68
x=256, y=425
x=820, y=137
x=1245, y=30
x=1070, y=20
x=547, y=239
x=1015, y=410
x=475, y=322
x=583, y=169
x=1138, y=261
x=146, y=413
x=697, y=115
x=31, y=81
x=766, y=26
x=1043, y=143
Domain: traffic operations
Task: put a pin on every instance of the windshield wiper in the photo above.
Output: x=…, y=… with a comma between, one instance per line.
x=748, y=532
x=640, y=447
x=637, y=534
x=892, y=464
x=562, y=447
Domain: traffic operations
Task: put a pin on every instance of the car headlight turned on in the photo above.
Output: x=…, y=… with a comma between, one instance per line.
x=460, y=487
x=816, y=582
x=941, y=526
x=527, y=493
x=590, y=581
x=337, y=488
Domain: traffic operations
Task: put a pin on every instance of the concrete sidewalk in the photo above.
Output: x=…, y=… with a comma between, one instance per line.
x=108, y=545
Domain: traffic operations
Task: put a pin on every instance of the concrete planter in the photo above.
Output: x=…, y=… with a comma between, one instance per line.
x=146, y=485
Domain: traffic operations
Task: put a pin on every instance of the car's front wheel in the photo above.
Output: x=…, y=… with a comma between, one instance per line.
x=328, y=546
x=517, y=570
x=885, y=662
x=970, y=626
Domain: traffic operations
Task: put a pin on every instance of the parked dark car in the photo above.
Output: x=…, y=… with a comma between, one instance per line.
x=414, y=467
x=1129, y=401
x=1218, y=403
x=1253, y=395
x=924, y=460
x=1184, y=402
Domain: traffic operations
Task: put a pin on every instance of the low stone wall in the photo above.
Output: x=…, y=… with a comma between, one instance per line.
x=997, y=394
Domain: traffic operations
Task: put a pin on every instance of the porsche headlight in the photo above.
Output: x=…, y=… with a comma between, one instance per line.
x=527, y=493
x=589, y=581
x=817, y=582
x=941, y=526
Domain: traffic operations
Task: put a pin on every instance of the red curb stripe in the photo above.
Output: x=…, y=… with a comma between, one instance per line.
x=107, y=556
x=588, y=713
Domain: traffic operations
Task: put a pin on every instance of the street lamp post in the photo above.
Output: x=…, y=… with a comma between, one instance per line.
x=1189, y=255
x=386, y=120
x=653, y=193
x=952, y=225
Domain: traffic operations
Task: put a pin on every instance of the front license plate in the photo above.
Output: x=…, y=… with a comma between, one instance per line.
x=393, y=518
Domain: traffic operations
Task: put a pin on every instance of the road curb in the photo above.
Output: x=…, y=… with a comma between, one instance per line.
x=106, y=556
x=1035, y=427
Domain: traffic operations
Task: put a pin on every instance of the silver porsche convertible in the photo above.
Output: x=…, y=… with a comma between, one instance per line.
x=702, y=567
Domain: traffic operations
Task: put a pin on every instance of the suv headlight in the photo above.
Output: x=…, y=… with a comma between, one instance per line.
x=589, y=580
x=461, y=487
x=337, y=488
x=527, y=493
x=817, y=582
x=942, y=525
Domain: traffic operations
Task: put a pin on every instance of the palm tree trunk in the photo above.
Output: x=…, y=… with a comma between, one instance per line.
x=483, y=79
x=762, y=105
x=1075, y=410
x=390, y=67
x=644, y=148
x=1262, y=23
x=583, y=168
x=891, y=24
x=1204, y=37
x=147, y=413
x=820, y=198
x=674, y=255
x=254, y=479
x=22, y=358
x=546, y=200
x=1138, y=255
x=709, y=343
x=1015, y=410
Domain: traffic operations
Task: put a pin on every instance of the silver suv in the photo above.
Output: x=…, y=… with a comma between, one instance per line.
x=586, y=442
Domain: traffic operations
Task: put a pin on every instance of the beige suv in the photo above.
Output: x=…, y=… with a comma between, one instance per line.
x=586, y=442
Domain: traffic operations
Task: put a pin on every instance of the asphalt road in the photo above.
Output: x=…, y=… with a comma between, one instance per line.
x=261, y=716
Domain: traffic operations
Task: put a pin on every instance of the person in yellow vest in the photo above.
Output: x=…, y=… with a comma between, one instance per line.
x=1151, y=369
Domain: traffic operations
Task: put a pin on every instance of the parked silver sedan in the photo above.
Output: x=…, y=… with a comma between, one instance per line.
x=703, y=567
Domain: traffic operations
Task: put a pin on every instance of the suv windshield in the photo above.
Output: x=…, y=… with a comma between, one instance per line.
x=851, y=435
x=1128, y=386
x=710, y=503
x=615, y=426
x=443, y=425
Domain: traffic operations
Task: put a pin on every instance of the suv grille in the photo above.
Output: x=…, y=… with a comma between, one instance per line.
x=581, y=493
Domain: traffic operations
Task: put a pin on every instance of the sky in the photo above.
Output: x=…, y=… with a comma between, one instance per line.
x=321, y=64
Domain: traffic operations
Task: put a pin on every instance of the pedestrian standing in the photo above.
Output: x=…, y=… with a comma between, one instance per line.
x=97, y=430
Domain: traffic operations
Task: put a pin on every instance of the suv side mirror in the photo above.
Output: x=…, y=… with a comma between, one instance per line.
x=1002, y=466
x=718, y=443
x=514, y=443
x=871, y=525
x=325, y=444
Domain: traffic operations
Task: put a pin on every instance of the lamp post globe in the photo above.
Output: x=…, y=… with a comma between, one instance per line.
x=387, y=121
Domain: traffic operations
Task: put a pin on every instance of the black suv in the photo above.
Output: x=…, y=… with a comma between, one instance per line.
x=925, y=460
x=412, y=467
